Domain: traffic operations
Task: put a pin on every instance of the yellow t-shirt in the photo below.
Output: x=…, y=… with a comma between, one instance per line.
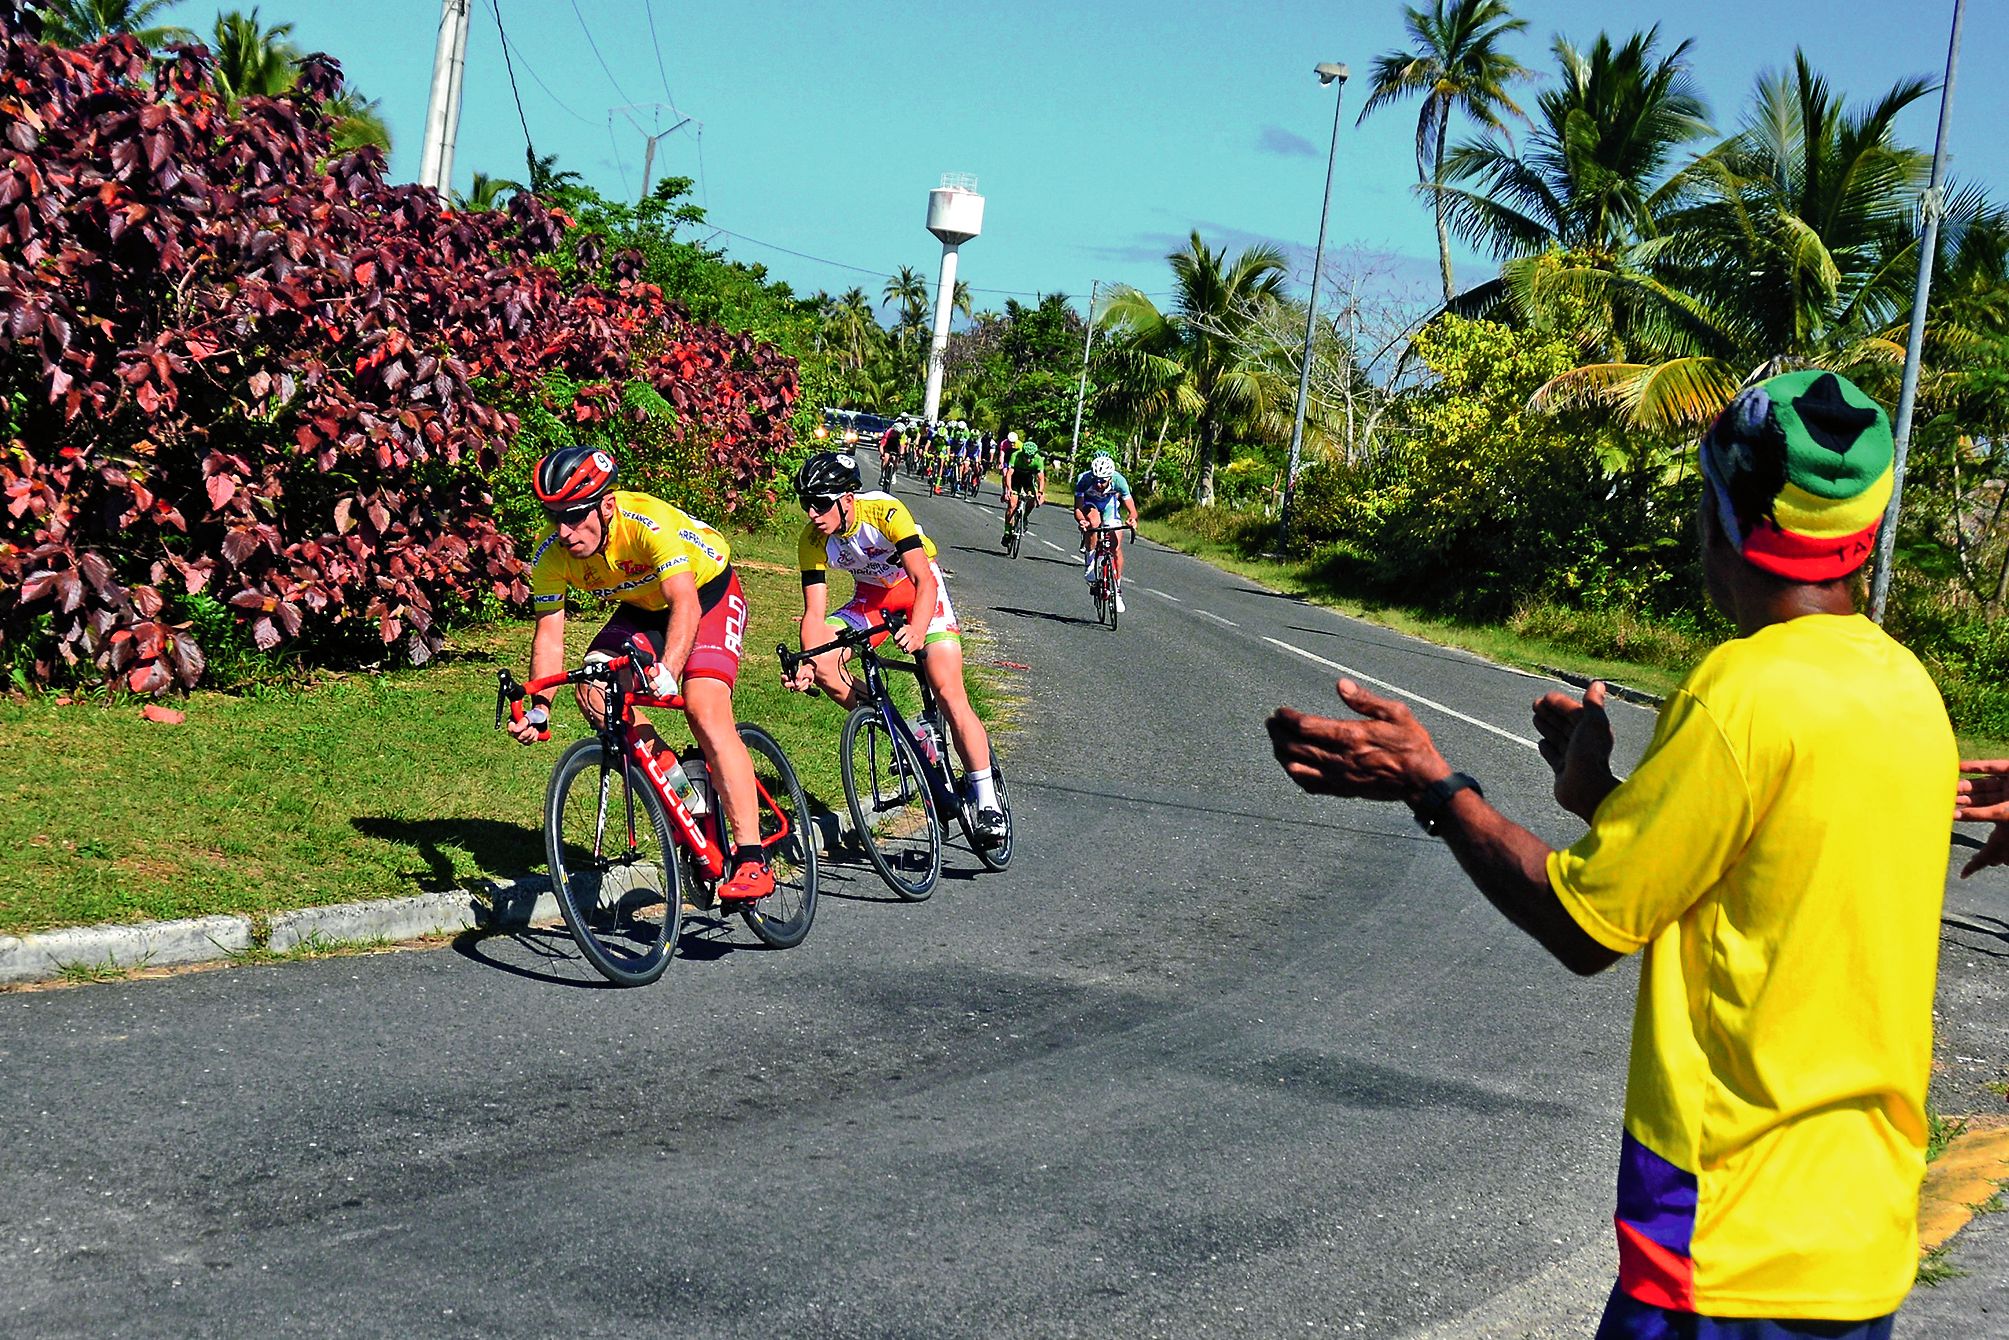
x=881, y=531
x=1780, y=855
x=647, y=541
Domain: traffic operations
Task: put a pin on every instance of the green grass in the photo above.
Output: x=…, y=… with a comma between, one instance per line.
x=356, y=786
x=1617, y=646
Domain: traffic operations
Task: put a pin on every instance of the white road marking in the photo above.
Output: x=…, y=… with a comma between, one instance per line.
x=1397, y=689
x=1164, y=595
x=1225, y=623
x=1051, y=545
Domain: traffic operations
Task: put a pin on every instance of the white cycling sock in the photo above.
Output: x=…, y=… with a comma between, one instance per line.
x=986, y=790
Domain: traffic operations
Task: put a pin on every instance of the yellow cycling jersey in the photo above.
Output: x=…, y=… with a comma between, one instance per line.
x=882, y=529
x=647, y=541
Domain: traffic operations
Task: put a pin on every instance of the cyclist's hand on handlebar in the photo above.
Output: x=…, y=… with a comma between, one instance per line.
x=911, y=637
x=524, y=729
x=801, y=679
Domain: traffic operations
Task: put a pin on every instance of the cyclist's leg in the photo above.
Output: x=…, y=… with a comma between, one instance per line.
x=942, y=663
x=709, y=676
x=1109, y=518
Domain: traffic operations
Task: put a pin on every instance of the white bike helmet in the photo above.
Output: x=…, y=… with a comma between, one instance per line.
x=1102, y=468
x=1011, y=436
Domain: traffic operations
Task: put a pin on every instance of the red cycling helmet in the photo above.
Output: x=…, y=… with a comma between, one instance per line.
x=574, y=479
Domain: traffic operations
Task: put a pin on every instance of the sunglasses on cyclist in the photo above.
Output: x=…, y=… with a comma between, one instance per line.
x=816, y=504
x=571, y=516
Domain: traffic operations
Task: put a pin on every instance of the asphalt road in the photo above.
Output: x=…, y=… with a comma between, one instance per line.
x=1212, y=1058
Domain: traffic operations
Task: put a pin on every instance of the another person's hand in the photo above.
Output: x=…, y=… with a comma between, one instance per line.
x=1984, y=798
x=1576, y=744
x=1385, y=755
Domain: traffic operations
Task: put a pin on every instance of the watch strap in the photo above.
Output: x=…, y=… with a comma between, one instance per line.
x=1430, y=807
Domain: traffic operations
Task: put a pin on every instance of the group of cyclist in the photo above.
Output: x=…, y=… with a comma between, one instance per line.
x=950, y=457
x=676, y=595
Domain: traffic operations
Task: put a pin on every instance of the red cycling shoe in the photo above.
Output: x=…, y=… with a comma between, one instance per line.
x=751, y=880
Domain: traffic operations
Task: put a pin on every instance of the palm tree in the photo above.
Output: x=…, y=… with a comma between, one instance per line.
x=546, y=178
x=1599, y=169
x=1456, y=65
x=1799, y=250
x=909, y=292
x=72, y=23
x=252, y=61
x=1214, y=304
x=486, y=193
x=961, y=301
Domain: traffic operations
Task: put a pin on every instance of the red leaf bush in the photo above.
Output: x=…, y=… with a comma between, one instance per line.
x=243, y=377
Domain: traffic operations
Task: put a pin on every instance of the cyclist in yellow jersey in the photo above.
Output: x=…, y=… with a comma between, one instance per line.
x=875, y=538
x=672, y=577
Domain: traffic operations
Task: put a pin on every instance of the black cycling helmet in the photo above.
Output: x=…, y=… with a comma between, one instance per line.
x=827, y=474
x=573, y=479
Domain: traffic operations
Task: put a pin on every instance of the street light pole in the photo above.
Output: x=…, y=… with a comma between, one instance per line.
x=1327, y=73
x=1914, y=345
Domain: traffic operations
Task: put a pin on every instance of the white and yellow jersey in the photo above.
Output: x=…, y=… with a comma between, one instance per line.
x=882, y=530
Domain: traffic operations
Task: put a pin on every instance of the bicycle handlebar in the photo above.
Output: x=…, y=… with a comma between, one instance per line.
x=509, y=694
x=891, y=621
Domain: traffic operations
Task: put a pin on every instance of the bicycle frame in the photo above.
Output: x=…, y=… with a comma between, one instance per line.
x=871, y=671
x=617, y=734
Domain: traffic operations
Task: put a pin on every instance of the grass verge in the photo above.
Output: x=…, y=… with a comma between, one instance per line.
x=355, y=786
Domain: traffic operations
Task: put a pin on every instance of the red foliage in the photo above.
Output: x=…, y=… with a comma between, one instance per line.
x=231, y=365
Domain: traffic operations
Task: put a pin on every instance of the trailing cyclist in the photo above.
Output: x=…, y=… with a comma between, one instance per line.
x=875, y=538
x=1025, y=477
x=1098, y=492
x=671, y=576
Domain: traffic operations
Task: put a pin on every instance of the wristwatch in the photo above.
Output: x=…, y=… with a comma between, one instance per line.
x=1429, y=808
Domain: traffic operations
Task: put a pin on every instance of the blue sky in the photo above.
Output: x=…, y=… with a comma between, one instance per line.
x=1101, y=131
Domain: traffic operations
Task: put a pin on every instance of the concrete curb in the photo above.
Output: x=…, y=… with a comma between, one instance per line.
x=502, y=906
x=1617, y=690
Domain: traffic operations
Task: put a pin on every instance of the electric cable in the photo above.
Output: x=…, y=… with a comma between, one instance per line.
x=598, y=57
x=649, y=8
x=529, y=149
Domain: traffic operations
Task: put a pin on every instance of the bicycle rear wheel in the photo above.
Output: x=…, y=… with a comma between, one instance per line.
x=782, y=918
x=621, y=900
x=1109, y=599
x=994, y=855
x=892, y=804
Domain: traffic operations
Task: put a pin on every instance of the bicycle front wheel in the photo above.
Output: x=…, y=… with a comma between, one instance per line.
x=619, y=892
x=892, y=804
x=782, y=918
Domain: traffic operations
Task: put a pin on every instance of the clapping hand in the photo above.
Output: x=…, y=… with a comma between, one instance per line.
x=1576, y=744
x=1384, y=755
x=1984, y=798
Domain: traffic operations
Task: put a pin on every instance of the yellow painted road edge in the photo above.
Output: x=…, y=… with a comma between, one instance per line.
x=1973, y=1168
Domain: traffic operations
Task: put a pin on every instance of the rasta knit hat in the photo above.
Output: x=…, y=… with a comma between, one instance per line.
x=1799, y=467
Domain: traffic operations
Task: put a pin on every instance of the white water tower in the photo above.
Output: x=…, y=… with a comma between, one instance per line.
x=955, y=215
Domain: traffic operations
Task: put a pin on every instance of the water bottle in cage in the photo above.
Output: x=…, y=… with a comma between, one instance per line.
x=929, y=736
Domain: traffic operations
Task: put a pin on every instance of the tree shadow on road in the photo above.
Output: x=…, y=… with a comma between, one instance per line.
x=1048, y=615
x=1967, y=921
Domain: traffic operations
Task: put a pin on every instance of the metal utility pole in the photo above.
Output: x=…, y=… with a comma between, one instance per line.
x=649, y=141
x=1327, y=73
x=1928, y=247
x=449, y=63
x=1081, y=391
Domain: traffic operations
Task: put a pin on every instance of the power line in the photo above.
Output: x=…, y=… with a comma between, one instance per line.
x=650, y=9
x=880, y=274
x=529, y=149
x=531, y=70
x=597, y=56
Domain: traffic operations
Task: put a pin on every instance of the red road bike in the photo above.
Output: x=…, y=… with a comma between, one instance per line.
x=622, y=844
